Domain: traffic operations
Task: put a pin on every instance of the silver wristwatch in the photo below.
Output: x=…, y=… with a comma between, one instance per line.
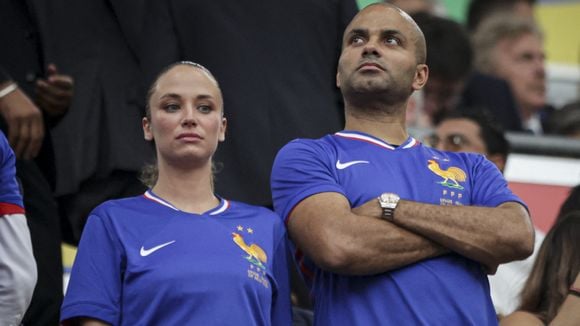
x=388, y=202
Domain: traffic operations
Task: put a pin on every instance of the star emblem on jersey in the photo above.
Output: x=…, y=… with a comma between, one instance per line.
x=146, y=252
x=451, y=176
x=341, y=166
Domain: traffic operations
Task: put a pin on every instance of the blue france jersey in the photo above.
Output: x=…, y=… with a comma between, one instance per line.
x=437, y=291
x=10, y=197
x=141, y=261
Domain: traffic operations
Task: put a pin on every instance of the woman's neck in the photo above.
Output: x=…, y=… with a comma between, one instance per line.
x=189, y=190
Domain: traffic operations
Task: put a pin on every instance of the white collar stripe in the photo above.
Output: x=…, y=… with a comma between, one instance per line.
x=365, y=138
x=152, y=197
x=411, y=143
x=225, y=205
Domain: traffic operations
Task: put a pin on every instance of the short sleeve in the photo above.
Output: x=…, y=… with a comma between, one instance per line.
x=302, y=168
x=489, y=186
x=95, y=285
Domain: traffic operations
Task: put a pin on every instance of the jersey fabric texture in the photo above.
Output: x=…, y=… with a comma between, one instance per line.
x=10, y=198
x=436, y=291
x=141, y=261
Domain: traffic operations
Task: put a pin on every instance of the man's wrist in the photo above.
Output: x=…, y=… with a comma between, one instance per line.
x=9, y=88
x=388, y=203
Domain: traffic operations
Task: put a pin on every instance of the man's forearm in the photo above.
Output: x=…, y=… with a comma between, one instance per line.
x=354, y=242
x=490, y=236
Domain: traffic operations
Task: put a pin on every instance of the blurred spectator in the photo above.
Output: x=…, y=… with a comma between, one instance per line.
x=469, y=130
x=99, y=145
x=40, y=98
x=495, y=96
x=511, y=48
x=566, y=121
x=479, y=10
x=449, y=58
x=17, y=266
x=548, y=297
x=572, y=202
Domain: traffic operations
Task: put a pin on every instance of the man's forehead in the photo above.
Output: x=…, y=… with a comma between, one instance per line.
x=381, y=17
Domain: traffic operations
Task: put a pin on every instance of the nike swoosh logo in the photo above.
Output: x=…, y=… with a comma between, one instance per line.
x=341, y=166
x=146, y=252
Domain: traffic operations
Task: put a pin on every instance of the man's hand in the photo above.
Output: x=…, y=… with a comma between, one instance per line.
x=25, y=125
x=54, y=93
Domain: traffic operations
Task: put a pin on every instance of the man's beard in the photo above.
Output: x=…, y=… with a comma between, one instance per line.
x=374, y=93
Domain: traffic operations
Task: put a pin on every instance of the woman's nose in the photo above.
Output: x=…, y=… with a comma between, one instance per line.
x=189, y=117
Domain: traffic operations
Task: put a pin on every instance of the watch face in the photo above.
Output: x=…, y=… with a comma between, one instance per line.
x=384, y=197
x=389, y=198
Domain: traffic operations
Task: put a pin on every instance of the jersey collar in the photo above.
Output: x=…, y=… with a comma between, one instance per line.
x=357, y=135
x=220, y=208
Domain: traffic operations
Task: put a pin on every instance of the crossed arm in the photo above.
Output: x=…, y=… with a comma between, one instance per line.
x=356, y=241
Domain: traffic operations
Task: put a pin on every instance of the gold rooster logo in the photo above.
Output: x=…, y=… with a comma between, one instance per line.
x=451, y=176
x=256, y=255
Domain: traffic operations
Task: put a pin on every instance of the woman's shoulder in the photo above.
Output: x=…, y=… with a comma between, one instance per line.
x=521, y=317
x=241, y=207
x=250, y=211
x=113, y=205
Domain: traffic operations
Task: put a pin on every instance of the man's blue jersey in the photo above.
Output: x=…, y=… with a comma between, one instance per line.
x=10, y=197
x=141, y=261
x=449, y=289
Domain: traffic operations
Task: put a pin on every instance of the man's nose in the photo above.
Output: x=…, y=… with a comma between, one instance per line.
x=540, y=68
x=371, y=48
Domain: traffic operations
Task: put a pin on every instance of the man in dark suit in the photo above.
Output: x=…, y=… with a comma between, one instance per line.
x=99, y=145
x=40, y=96
x=511, y=48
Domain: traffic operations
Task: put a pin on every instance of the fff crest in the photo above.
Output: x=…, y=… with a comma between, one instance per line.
x=451, y=176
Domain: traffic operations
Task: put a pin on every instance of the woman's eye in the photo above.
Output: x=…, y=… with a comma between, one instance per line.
x=204, y=108
x=171, y=107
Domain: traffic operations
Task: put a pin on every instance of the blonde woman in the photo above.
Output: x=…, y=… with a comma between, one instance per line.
x=179, y=254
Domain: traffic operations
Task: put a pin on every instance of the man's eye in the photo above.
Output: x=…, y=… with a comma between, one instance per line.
x=392, y=41
x=356, y=40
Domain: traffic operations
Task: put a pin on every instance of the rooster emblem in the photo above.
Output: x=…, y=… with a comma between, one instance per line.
x=451, y=176
x=256, y=255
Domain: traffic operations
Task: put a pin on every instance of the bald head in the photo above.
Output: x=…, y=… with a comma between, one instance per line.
x=382, y=59
x=416, y=35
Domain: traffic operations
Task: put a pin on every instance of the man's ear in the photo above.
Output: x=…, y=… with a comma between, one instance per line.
x=147, y=132
x=421, y=76
x=338, y=79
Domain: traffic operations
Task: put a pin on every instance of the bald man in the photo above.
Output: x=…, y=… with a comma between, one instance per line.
x=388, y=231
